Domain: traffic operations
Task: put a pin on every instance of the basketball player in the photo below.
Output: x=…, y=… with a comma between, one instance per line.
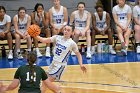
x=81, y=19
x=41, y=18
x=21, y=22
x=122, y=16
x=5, y=25
x=136, y=15
x=62, y=49
x=58, y=17
x=101, y=25
x=29, y=77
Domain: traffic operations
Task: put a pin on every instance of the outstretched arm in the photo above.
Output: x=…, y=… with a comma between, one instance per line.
x=12, y=86
x=43, y=40
x=83, y=68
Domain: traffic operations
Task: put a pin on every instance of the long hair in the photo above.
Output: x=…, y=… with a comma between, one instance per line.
x=31, y=58
x=37, y=5
x=2, y=7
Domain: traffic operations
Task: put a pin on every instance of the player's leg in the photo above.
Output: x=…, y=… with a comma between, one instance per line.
x=137, y=37
x=88, y=39
x=10, y=44
x=48, y=34
x=110, y=41
x=29, y=43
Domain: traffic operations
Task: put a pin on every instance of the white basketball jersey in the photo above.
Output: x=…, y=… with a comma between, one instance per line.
x=58, y=17
x=3, y=23
x=63, y=48
x=122, y=13
x=136, y=12
x=22, y=24
x=101, y=23
x=80, y=22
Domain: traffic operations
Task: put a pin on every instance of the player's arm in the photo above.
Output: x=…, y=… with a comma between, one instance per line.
x=65, y=17
x=129, y=15
x=47, y=20
x=94, y=23
x=88, y=22
x=50, y=15
x=107, y=21
x=72, y=18
x=15, y=20
x=76, y=51
x=43, y=40
x=33, y=18
x=51, y=86
x=14, y=84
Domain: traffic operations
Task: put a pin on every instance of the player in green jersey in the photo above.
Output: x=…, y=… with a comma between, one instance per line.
x=29, y=77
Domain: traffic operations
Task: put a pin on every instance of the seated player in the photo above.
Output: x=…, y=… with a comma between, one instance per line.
x=101, y=26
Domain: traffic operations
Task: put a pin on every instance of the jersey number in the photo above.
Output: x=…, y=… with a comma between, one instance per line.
x=58, y=51
x=121, y=18
x=58, y=21
x=31, y=77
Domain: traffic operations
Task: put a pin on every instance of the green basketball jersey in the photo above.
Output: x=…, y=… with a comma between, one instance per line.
x=23, y=73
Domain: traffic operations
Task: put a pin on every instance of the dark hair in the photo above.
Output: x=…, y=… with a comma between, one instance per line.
x=2, y=7
x=37, y=5
x=22, y=8
x=81, y=3
x=99, y=6
x=31, y=58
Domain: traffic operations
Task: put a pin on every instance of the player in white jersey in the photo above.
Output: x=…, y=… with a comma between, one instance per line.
x=122, y=14
x=136, y=15
x=58, y=17
x=21, y=22
x=41, y=18
x=64, y=45
x=81, y=19
x=101, y=25
x=5, y=25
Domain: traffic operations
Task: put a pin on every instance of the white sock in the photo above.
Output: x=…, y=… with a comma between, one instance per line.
x=11, y=51
x=88, y=49
x=18, y=50
x=47, y=48
x=29, y=50
x=37, y=49
x=110, y=47
x=93, y=48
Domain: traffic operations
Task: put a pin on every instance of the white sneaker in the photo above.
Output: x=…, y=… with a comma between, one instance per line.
x=138, y=49
x=10, y=55
x=88, y=55
x=112, y=51
x=39, y=54
x=48, y=54
x=72, y=53
x=19, y=56
x=124, y=51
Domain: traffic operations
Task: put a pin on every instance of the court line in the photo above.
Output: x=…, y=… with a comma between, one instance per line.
x=91, y=83
x=99, y=84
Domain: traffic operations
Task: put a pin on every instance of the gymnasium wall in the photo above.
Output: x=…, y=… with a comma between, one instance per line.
x=13, y=5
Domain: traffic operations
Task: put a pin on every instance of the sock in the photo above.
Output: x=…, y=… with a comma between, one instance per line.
x=29, y=50
x=47, y=48
x=37, y=49
x=93, y=48
x=110, y=47
x=11, y=51
x=88, y=49
x=18, y=50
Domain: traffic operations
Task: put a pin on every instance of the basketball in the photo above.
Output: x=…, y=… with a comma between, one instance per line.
x=34, y=30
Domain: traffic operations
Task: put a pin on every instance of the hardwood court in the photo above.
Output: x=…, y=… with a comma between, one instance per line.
x=100, y=78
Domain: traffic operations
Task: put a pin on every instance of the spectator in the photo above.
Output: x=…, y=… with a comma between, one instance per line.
x=101, y=25
x=81, y=19
x=136, y=15
x=5, y=27
x=122, y=16
x=41, y=18
x=21, y=22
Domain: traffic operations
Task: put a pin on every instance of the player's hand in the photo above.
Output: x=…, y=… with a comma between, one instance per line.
x=2, y=88
x=83, y=68
x=2, y=34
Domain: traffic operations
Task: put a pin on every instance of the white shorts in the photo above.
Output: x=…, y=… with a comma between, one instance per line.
x=56, y=70
x=80, y=28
